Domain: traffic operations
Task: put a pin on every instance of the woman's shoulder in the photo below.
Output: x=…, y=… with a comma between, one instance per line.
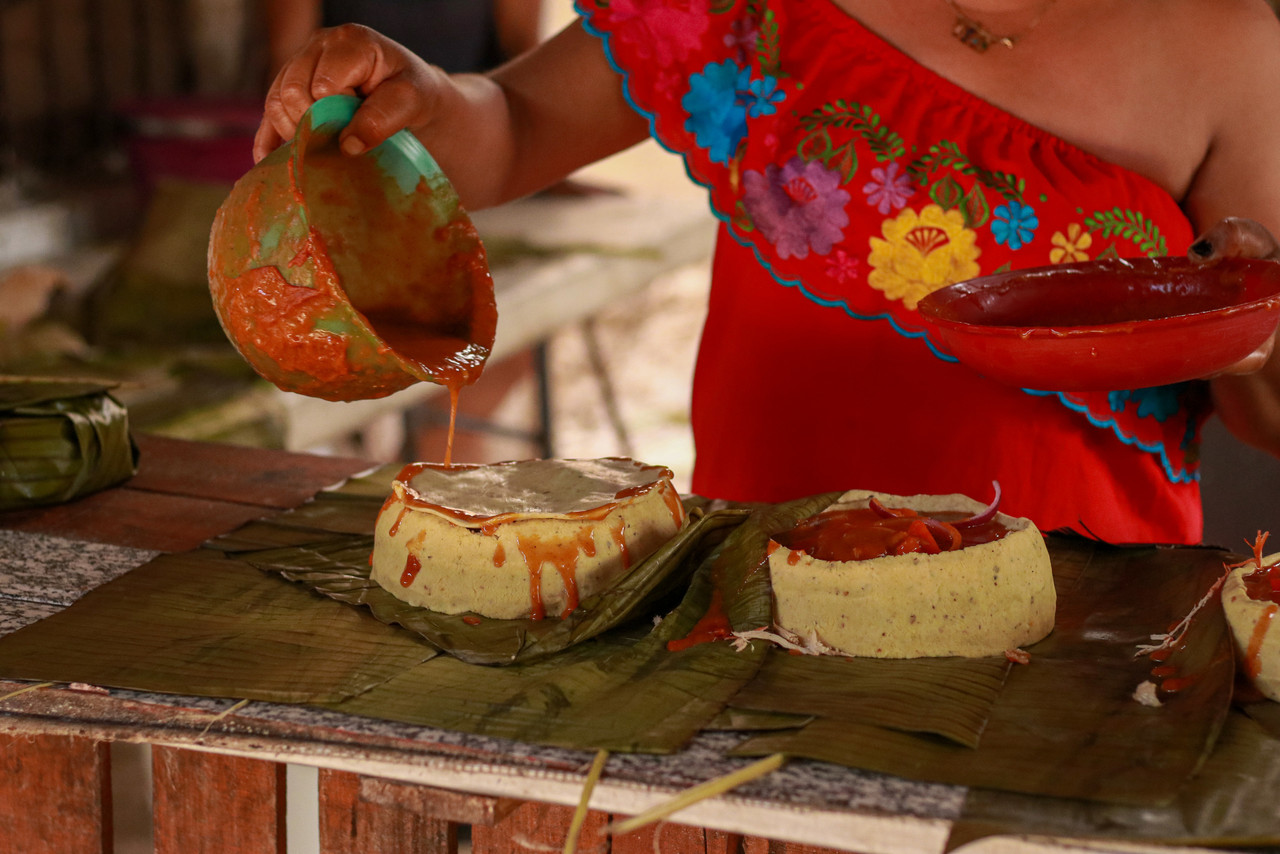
x=1224, y=34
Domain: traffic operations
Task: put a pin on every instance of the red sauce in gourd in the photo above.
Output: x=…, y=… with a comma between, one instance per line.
x=860, y=533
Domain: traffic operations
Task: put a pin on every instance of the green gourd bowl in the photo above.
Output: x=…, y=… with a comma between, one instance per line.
x=351, y=277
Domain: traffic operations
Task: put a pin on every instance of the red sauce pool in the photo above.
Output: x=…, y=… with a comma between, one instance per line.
x=860, y=533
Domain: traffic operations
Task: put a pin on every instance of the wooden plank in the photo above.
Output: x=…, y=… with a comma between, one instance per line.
x=667, y=837
x=350, y=824
x=234, y=473
x=207, y=803
x=757, y=845
x=130, y=517
x=540, y=827
x=55, y=795
x=433, y=802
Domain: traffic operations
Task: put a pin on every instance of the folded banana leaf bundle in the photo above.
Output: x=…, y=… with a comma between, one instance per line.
x=59, y=440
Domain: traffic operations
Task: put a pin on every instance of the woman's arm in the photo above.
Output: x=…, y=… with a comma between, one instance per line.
x=1240, y=177
x=498, y=136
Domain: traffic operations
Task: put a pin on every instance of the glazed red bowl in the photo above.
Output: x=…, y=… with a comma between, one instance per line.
x=1110, y=324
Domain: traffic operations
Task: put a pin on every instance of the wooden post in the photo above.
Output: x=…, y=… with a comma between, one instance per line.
x=536, y=827
x=363, y=815
x=55, y=795
x=206, y=803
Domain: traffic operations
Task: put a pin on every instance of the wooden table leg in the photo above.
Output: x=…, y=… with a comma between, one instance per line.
x=670, y=838
x=55, y=795
x=539, y=828
x=206, y=803
x=363, y=815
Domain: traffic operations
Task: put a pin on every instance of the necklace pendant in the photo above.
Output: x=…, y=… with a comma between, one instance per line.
x=972, y=34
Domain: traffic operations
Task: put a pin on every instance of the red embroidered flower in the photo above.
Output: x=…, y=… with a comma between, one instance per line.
x=660, y=30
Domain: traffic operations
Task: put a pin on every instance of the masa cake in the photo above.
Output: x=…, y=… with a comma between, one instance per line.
x=520, y=539
x=1250, y=601
x=992, y=594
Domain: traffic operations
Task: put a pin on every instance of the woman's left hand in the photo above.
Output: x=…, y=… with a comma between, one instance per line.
x=1235, y=237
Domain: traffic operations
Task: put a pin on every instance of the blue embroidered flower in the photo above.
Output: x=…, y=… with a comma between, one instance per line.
x=764, y=96
x=719, y=101
x=1160, y=402
x=1014, y=224
x=717, y=116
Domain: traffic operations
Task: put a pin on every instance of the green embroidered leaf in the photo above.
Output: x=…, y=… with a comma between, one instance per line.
x=816, y=146
x=975, y=208
x=1109, y=252
x=947, y=192
x=947, y=155
x=767, y=50
x=719, y=7
x=1130, y=225
x=1003, y=268
x=741, y=219
x=861, y=119
x=845, y=161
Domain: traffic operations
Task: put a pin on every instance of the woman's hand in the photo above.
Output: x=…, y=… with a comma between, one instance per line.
x=1235, y=237
x=400, y=90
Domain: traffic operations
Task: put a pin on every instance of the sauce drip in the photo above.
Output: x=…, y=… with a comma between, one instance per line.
x=713, y=626
x=1253, y=655
x=412, y=566
x=563, y=556
x=861, y=533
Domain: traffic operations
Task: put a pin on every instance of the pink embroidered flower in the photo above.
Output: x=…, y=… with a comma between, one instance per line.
x=797, y=207
x=741, y=37
x=660, y=30
x=843, y=268
x=887, y=190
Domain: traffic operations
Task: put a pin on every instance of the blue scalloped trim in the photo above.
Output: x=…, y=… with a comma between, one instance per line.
x=1156, y=448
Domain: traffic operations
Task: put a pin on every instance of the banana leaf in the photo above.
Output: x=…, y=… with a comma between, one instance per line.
x=623, y=691
x=1066, y=725
x=1231, y=802
x=60, y=440
x=203, y=624
x=947, y=697
x=339, y=569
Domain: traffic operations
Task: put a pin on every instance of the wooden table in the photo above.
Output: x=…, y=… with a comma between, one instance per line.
x=219, y=772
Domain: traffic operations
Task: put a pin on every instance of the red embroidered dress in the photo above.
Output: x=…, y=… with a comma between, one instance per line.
x=850, y=182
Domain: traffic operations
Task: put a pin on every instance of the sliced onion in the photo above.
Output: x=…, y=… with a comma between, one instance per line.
x=885, y=512
x=944, y=534
x=984, y=515
x=879, y=509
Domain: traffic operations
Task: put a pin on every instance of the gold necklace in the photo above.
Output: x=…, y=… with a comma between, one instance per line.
x=972, y=32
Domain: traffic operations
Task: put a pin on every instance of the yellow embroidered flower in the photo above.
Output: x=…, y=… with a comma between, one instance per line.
x=922, y=252
x=1070, y=246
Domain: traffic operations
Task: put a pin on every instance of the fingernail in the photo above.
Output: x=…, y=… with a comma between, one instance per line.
x=352, y=145
x=1202, y=249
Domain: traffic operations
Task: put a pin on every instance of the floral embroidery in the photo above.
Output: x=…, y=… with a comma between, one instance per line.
x=1160, y=402
x=921, y=253
x=888, y=190
x=1014, y=224
x=843, y=267
x=765, y=96
x=717, y=117
x=718, y=102
x=1131, y=225
x=797, y=207
x=1070, y=246
x=741, y=38
x=659, y=30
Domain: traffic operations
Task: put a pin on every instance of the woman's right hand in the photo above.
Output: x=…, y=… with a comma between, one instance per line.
x=399, y=88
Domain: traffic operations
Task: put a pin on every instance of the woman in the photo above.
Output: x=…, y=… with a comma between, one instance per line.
x=861, y=153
